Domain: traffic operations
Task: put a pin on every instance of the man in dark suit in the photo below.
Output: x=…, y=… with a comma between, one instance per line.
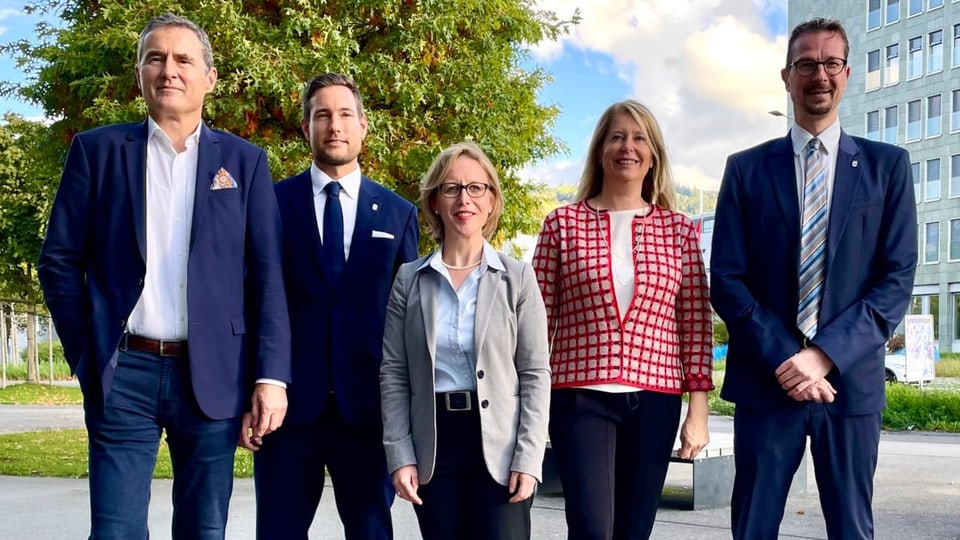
x=344, y=238
x=161, y=269
x=814, y=252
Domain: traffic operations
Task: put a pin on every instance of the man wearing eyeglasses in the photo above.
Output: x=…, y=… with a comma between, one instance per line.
x=814, y=252
x=344, y=238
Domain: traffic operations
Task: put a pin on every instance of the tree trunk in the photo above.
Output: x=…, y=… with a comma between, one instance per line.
x=33, y=367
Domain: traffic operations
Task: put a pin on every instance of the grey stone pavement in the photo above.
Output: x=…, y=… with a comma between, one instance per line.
x=917, y=496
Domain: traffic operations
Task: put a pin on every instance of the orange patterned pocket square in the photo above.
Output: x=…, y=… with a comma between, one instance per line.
x=223, y=180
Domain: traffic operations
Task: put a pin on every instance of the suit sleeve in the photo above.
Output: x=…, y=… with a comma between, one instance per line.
x=758, y=330
x=532, y=360
x=410, y=243
x=866, y=324
x=395, y=380
x=265, y=289
x=63, y=256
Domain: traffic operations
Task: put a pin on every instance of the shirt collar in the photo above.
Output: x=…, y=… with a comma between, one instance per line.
x=490, y=259
x=349, y=183
x=829, y=138
x=153, y=129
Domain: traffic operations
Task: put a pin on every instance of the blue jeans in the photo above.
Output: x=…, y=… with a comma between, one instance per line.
x=151, y=394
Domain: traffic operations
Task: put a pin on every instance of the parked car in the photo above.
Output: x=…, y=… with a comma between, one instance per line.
x=895, y=367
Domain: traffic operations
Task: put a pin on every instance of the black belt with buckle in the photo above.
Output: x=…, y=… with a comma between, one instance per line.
x=458, y=400
x=171, y=348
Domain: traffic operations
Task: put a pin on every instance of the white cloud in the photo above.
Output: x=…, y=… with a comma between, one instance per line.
x=709, y=69
x=6, y=13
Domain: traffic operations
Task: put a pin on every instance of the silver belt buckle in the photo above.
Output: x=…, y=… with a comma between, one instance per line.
x=467, y=404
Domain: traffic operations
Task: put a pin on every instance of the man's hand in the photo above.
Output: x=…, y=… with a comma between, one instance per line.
x=521, y=485
x=803, y=370
x=268, y=408
x=821, y=392
x=406, y=482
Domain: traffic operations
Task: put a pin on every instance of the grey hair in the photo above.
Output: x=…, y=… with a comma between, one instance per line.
x=169, y=19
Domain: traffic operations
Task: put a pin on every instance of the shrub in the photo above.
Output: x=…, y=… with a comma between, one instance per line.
x=720, y=334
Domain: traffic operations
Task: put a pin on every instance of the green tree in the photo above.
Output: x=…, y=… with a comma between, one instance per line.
x=432, y=72
x=28, y=178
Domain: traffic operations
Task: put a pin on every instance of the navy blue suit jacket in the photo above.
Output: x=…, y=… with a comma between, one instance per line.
x=338, y=323
x=871, y=258
x=92, y=268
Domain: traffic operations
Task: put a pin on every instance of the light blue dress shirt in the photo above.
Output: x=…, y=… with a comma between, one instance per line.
x=456, y=362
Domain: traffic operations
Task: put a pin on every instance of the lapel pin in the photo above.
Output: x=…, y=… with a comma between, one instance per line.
x=855, y=163
x=374, y=207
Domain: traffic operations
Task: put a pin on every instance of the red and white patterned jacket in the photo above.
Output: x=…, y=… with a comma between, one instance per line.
x=664, y=342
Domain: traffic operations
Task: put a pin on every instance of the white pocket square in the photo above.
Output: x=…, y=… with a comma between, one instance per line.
x=382, y=234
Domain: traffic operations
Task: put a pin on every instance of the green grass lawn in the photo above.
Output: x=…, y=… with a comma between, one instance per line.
x=40, y=394
x=62, y=453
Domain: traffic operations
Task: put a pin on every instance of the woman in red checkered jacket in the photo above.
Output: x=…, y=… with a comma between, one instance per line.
x=630, y=325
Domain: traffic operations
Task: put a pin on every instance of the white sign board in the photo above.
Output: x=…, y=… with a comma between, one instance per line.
x=918, y=334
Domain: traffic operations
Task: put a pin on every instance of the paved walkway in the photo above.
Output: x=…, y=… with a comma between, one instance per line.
x=917, y=496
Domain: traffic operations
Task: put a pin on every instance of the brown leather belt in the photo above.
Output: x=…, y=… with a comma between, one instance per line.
x=160, y=347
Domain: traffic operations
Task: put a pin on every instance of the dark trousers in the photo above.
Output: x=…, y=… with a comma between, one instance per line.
x=462, y=501
x=768, y=447
x=151, y=394
x=612, y=452
x=289, y=478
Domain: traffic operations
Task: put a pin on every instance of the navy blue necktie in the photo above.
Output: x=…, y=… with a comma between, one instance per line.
x=333, y=230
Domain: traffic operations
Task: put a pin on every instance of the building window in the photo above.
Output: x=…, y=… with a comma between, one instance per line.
x=931, y=243
x=955, y=110
x=873, y=14
x=891, y=72
x=915, y=59
x=913, y=120
x=933, y=124
x=915, y=173
x=956, y=45
x=873, y=70
x=873, y=125
x=935, y=51
x=956, y=312
x=954, y=240
x=893, y=11
x=932, y=185
x=955, y=175
x=890, y=122
x=914, y=7
x=933, y=4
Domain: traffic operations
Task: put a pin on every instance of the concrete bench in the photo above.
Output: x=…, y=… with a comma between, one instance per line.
x=705, y=481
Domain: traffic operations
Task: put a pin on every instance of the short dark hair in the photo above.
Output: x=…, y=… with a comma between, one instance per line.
x=818, y=24
x=325, y=80
x=169, y=19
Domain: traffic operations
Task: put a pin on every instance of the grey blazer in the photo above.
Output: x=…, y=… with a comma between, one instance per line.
x=512, y=354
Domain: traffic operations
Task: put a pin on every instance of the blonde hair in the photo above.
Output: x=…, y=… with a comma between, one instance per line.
x=658, y=184
x=437, y=173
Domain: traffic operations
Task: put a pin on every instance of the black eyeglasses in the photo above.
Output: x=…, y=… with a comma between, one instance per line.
x=451, y=190
x=833, y=66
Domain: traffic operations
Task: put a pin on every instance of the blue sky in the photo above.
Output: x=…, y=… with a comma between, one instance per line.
x=709, y=70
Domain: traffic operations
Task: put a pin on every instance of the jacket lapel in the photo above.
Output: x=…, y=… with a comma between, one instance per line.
x=429, y=289
x=845, y=182
x=368, y=210
x=208, y=162
x=487, y=294
x=136, y=165
x=782, y=172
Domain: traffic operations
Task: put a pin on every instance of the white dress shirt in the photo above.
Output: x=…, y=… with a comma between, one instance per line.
x=161, y=311
x=349, y=194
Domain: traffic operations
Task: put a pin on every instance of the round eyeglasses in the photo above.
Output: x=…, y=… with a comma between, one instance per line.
x=451, y=190
x=833, y=66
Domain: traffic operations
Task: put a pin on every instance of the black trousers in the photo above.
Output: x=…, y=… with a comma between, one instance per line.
x=612, y=452
x=462, y=500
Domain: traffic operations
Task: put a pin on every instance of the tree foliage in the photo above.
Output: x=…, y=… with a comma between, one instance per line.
x=432, y=72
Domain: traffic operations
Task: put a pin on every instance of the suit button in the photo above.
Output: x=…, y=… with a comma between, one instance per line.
x=140, y=282
x=480, y=374
x=484, y=404
x=123, y=324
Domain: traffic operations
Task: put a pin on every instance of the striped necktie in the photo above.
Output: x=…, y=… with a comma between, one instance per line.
x=813, y=237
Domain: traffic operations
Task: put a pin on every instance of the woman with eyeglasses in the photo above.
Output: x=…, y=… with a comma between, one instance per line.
x=465, y=377
x=630, y=325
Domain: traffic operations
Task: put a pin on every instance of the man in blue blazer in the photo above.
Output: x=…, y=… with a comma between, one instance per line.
x=161, y=269
x=814, y=252
x=344, y=238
